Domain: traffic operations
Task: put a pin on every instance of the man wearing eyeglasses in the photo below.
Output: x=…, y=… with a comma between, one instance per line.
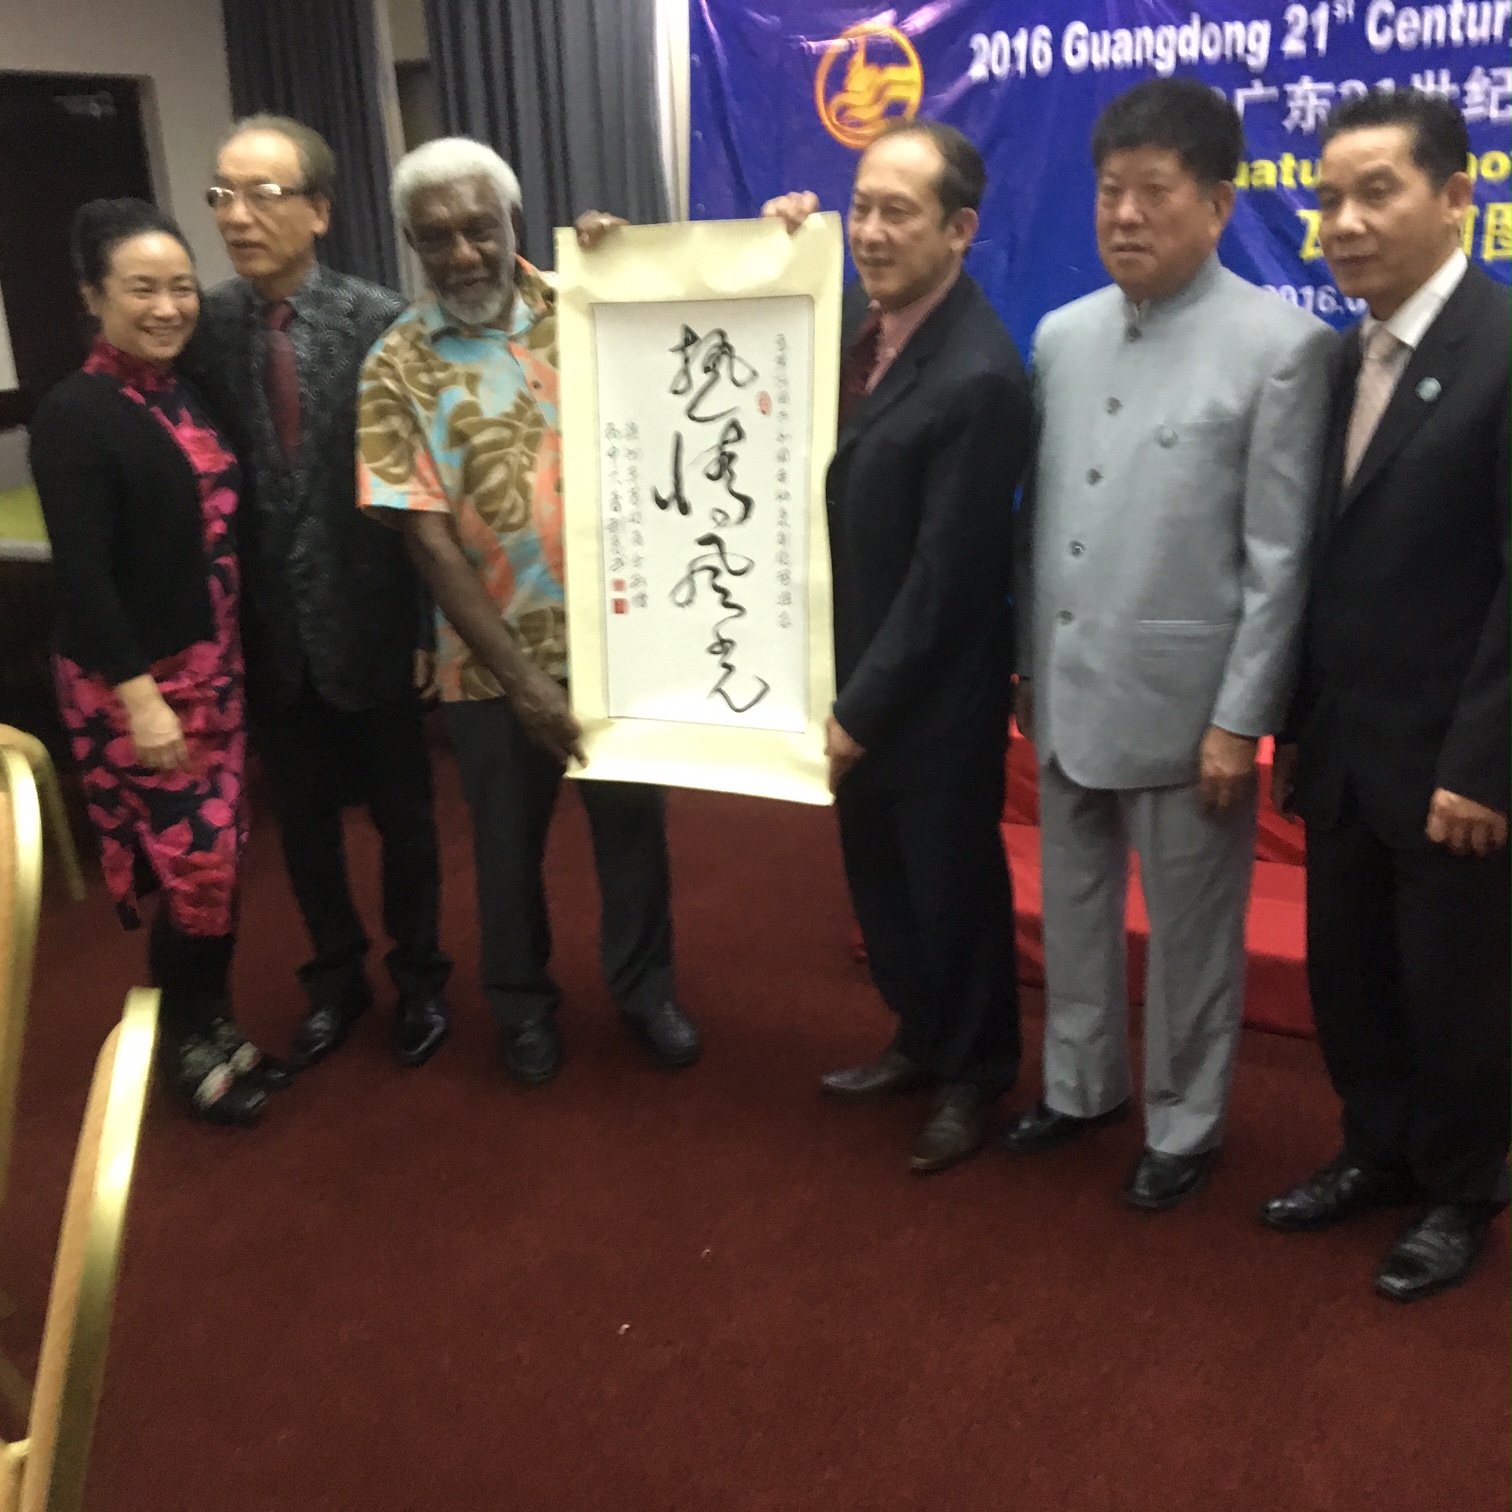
x=335, y=624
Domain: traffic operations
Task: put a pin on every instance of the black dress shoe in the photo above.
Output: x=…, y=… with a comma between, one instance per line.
x=326, y=1026
x=1042, y=1128
x=892, y=1072
x=423, y=1026
x=1159, y=1182
x=533, y=1050
x=667, y=1034
x=1339, y=1191
x=1435, y=1253
x=955, y=1129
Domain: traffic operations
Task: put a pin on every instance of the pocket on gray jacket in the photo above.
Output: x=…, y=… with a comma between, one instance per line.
x=1181, y=662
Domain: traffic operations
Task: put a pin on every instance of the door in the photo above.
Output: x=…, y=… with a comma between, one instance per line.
x=64, y=139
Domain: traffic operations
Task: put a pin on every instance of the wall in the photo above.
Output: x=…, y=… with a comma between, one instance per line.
x=407, y=29
x=178, y=47
x=7, y=359
x=672, y=99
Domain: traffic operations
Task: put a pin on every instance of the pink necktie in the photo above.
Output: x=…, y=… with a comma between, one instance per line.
x=1372, y=394
x=281, y=380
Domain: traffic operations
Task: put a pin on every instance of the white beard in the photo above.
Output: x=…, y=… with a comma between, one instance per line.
x=479, y=310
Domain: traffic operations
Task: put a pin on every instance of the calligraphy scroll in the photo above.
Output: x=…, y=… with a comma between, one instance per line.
x=699, y=376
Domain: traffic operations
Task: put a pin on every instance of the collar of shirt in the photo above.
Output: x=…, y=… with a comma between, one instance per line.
x=533, y=299
x=1138, y=318
x=896, y=328
x=304, y=298
x=1410, y=323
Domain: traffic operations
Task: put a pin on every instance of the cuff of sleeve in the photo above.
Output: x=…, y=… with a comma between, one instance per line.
x=1248, y=722
x=855, y=723
x=117, y=672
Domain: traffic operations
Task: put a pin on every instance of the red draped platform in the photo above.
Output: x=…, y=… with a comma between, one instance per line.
x=1276, y=991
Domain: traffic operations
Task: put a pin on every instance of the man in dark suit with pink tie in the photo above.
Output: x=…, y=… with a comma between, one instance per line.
x=935, y=431
x=1400, y=753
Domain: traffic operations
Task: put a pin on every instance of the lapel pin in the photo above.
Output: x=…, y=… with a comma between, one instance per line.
x=1429, y=390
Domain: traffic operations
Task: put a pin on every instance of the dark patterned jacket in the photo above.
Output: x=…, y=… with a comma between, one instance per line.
x=326, y=591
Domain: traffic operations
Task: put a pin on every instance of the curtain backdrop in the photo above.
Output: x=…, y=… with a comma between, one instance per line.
x=567, y=93
x=317, y=60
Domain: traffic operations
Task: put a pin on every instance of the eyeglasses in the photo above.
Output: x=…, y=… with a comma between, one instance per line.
x=253, y=196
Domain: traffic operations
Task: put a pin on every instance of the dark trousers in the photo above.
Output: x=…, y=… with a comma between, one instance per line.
x=930, y=886
x=193, y=974
x=319, y=758
x=511, y=787
x=1408, y=959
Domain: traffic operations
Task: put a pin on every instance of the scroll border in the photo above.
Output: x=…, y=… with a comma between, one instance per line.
x=654, y=265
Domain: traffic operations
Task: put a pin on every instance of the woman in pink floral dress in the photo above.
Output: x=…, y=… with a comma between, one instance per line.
x=140, y=493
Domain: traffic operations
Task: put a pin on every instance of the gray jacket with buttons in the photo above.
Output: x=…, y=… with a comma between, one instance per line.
x=1167, y=524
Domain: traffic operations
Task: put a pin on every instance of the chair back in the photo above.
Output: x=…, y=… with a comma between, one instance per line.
x=20, y=910
x=71, y=1368
x=54, y=810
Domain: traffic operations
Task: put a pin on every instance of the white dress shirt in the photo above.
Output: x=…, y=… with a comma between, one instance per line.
x=1410, y=323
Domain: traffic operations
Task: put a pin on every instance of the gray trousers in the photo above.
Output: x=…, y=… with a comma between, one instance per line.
x=1195, y=868
x=511, y=787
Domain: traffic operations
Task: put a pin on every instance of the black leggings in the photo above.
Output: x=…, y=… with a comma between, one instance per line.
x=192, y=972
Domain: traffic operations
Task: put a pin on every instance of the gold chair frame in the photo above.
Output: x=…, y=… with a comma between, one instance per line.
x=20, y=914
x=46, y=776
x=21, y=889
x=47, y=1470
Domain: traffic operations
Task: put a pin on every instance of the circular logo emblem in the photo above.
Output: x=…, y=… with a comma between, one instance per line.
x=868, y=76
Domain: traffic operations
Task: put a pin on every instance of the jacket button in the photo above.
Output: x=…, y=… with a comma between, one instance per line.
x=1077, y=548
x=1114, y=406
x=1093, y=476
x=1065, y=616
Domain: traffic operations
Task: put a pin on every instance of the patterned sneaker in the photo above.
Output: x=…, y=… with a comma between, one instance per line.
x=203, y=1080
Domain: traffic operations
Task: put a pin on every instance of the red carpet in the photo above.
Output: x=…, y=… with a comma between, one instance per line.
x=712, y=1292
x=1276, y=929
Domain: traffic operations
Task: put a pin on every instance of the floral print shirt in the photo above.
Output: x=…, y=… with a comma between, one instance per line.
x=465, y=423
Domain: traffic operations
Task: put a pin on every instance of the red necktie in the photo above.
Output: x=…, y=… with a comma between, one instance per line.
x=281, y=380
x=856, y=365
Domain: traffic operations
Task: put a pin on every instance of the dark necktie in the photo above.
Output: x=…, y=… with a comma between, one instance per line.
x=281, y=380
x=856, y=365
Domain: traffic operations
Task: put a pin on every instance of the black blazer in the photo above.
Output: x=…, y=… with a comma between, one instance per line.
x=920, y=495
x=122, y=506
x=326, y=591
x=1405, y=675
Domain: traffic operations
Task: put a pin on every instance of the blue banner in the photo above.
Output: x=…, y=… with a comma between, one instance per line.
x=785, y=94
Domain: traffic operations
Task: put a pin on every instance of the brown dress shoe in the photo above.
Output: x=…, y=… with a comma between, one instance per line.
x=892, y=1072
x=957, y=1128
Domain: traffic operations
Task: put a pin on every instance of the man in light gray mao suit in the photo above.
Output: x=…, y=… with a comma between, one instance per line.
x=1170, y=513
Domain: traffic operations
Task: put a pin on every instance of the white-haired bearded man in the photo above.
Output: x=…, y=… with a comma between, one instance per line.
x=459, y=443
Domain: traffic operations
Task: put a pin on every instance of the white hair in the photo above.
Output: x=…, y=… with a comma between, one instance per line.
x=444, y=161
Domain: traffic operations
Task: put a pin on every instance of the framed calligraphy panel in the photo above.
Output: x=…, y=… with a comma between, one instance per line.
x=700, y=367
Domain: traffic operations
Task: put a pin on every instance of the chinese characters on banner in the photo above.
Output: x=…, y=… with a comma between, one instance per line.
x=700, y=373
x=703, y=436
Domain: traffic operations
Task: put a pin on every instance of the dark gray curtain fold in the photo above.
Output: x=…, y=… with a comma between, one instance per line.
x=317, y=60
x=566, y=91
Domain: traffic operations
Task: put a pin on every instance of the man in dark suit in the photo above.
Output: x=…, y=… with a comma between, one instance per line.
x=935, y=431
x=1400, y=761
x=333, y=618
